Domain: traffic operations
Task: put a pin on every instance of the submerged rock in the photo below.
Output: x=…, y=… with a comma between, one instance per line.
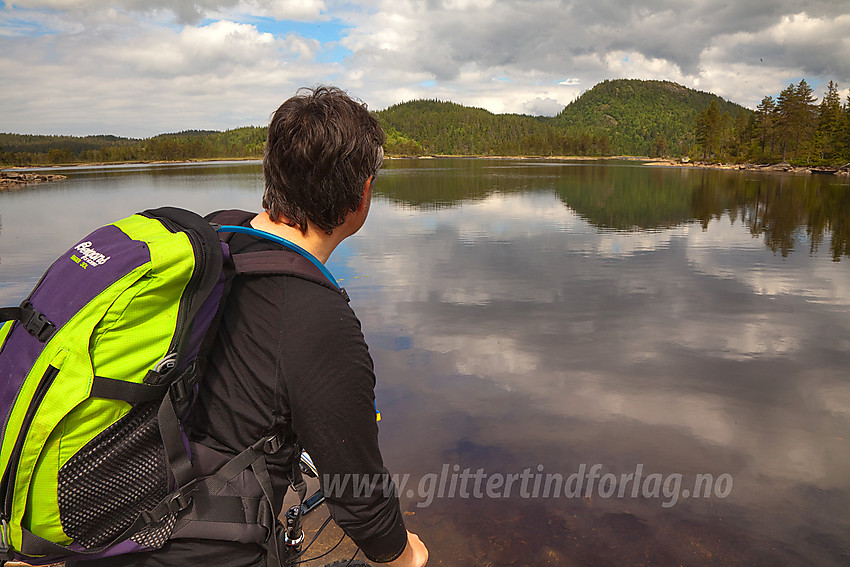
x=12, y=179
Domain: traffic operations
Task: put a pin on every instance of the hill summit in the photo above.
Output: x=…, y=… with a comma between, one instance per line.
x=642, y=117
x=623, y=116
x=616, y=117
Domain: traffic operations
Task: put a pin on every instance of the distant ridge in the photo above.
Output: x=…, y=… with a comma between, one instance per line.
x=638, y=114
x=620, y=117
x=616, y=117
x=439, y=127
x=27, y=149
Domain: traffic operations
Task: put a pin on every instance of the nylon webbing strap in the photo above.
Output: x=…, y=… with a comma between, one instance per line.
x=273, y=262
x=172, y=439
x=130, y=392
x=34, y=545
x=32, y=319
x=230, y=216
x=269, y=262
x=10, y=313
x=213, y=484
x=261, y=471
x=223, y=509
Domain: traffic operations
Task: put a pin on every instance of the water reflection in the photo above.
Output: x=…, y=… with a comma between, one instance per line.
x=546, y=316
x=511, y=332
x=42, y=221
x=785, y=210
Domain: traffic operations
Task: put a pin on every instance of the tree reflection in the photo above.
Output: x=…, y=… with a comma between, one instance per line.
x=785, y=211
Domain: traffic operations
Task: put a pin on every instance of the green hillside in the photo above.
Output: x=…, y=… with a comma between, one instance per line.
x=450, y=128
x=27, y=149
x=618, y=117
x=642, y=117
x=447, y=128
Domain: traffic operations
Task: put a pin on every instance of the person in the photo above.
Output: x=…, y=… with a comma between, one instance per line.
x=289, y=352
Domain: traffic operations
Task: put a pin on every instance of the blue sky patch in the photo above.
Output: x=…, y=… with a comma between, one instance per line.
x=324, y=32
x=332, y=53
x=16, y=22
x=327, y=34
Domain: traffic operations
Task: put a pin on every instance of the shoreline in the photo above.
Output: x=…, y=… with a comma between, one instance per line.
x=784, y=167
x=10, y=178
x=12, y=168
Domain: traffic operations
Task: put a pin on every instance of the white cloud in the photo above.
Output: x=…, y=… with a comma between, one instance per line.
x=395, y=50
x=186, y=11
x=547, y=106
x=745, y=67
x=709, y=251
x=509, y=319
x=140, y=80
x=299, y=10
x=195, y=51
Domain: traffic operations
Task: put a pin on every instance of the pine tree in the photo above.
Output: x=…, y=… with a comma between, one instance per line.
x=740, y=136
x=659, y=146
x=796, y=117
x=765, y=124
x=806, y=116
x=784, y=117
x=709, y=130
x=830, y=119
x=845, y=136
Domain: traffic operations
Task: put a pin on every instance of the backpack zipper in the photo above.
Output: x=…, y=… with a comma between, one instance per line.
x=194, y=281
x=189, y=292
x=7, y=484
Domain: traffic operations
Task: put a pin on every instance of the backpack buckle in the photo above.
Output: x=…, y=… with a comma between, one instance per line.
x=4, y=537
x=179, y=503
x=182, y=386
x=173, y=505
x=36, y=323
x=272, y=445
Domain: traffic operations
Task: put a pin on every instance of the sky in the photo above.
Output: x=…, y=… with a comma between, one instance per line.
x=138, y=68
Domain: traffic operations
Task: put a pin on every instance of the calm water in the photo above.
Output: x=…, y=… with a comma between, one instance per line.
x=536, y=325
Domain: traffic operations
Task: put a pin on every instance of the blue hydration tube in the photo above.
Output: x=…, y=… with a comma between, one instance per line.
x=283, y=242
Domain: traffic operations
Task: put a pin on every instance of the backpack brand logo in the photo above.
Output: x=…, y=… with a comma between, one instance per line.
x=88, y=256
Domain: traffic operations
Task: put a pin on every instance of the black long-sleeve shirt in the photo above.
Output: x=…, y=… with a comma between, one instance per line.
x=291, y=351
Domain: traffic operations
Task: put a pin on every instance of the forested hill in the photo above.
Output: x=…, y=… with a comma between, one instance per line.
x=27, y=149
x=617, y=117
x=643, y=117
x=435, y=127
x=626, y=117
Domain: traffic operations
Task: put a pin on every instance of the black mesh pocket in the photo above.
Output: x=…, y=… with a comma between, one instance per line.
x=119, y=473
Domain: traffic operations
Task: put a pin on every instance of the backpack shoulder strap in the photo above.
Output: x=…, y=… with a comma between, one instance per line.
x=271, y=262
x=275, y=262
x=230, y=216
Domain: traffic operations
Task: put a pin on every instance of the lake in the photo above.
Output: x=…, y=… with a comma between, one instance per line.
x=579, y=363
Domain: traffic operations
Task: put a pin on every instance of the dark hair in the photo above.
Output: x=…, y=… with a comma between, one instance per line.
x=322, y=146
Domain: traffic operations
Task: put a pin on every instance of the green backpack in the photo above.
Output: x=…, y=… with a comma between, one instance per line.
x=98, y=366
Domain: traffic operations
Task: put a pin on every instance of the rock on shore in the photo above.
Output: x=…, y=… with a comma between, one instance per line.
x=13, y=179
x=776, y=167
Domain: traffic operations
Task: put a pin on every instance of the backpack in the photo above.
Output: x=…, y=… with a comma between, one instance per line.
x=98, y=368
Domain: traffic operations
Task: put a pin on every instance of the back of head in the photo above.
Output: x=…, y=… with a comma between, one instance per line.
x=322, y=147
